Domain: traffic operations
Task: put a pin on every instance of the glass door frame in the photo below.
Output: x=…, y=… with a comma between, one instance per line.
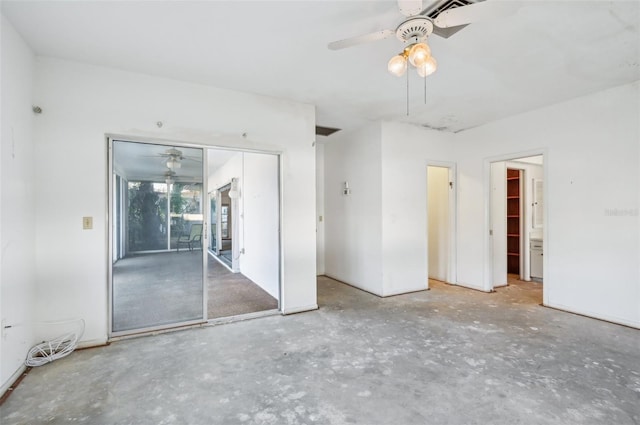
x=110, y=229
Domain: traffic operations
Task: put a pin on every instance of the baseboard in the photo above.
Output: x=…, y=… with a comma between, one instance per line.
x=474, y=287
x=592, y=315
x=12, y=380
x=92, y=343
x=404, y=291
x=295, y=310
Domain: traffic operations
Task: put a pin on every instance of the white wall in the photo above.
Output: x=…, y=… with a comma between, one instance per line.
x=353, y=236
x=81, y=104
x=438, y=221
x=376, y=238
x=259, y=221
x=592, y=189
x=591, y=163
x=406, y=151
x=17, y=204
x=320, y=268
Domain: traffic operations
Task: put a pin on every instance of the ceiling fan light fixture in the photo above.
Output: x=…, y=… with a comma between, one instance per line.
x=173, y=163
x=429, y=67
x=419, y=54
x=169, y=181
x=397, y=65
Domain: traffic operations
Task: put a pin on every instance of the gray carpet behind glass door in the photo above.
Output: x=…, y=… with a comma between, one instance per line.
x=165, y=288
x=232, y=294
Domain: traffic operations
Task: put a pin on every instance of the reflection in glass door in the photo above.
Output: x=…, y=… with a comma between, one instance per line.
x=244, y=266
x=212, y=223
x=157, y=273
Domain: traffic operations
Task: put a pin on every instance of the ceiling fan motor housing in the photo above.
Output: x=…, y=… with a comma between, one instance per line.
x=414, y=29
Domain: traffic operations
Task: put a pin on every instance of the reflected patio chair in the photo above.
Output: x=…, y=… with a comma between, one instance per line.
x=191, y=239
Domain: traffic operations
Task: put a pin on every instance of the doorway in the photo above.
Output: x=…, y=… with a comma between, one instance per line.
x=224, y=221
x=516, y=232
x=441, y=222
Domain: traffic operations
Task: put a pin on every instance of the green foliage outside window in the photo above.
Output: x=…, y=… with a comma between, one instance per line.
x=147, y=218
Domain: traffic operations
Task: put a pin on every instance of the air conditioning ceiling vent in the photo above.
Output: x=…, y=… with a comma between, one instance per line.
x=441, y=6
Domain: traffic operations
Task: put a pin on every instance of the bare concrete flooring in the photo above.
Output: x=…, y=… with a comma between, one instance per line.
x=445, y=356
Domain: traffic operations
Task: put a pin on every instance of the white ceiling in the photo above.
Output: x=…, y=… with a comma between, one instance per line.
x=549, y=51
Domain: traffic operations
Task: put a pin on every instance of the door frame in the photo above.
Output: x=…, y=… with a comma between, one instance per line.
x=206, y=147
x=451, y=275
x=219, y=192
x=110, y=139
x=488, y=251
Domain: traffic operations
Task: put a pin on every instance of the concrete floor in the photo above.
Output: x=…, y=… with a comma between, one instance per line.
x=445, y=356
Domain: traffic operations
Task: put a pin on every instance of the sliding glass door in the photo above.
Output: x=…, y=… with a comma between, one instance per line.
x=159, y=236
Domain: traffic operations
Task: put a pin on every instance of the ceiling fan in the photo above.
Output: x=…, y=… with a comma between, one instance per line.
x=443, y=18
x=169, y=176
x=174, y=156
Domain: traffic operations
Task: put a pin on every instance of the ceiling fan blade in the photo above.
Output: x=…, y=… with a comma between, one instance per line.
x=354, y=41
x=410, y=7
x=481, y=11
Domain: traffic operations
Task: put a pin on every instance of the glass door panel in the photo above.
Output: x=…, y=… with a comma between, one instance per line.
x=244, y=266
x=157, y=279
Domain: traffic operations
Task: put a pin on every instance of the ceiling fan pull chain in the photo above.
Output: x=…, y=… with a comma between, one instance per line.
x=425, y=89
x=407, y=94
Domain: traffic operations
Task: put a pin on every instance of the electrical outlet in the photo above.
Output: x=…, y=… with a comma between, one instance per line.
x=87, y=223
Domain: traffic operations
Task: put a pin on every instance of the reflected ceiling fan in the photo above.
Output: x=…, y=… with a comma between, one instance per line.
x=442, y=17
x=173, y=157
x=171, y=177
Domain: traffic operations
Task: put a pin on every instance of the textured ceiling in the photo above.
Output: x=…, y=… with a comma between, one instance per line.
x=549, y=51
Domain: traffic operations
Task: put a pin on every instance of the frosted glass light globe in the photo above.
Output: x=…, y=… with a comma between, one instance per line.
x=419, y=54
x=397, y=65
x=173, y=163
x=429, y=67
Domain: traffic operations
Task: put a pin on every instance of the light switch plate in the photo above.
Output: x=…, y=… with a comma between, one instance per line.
x=87, y=223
